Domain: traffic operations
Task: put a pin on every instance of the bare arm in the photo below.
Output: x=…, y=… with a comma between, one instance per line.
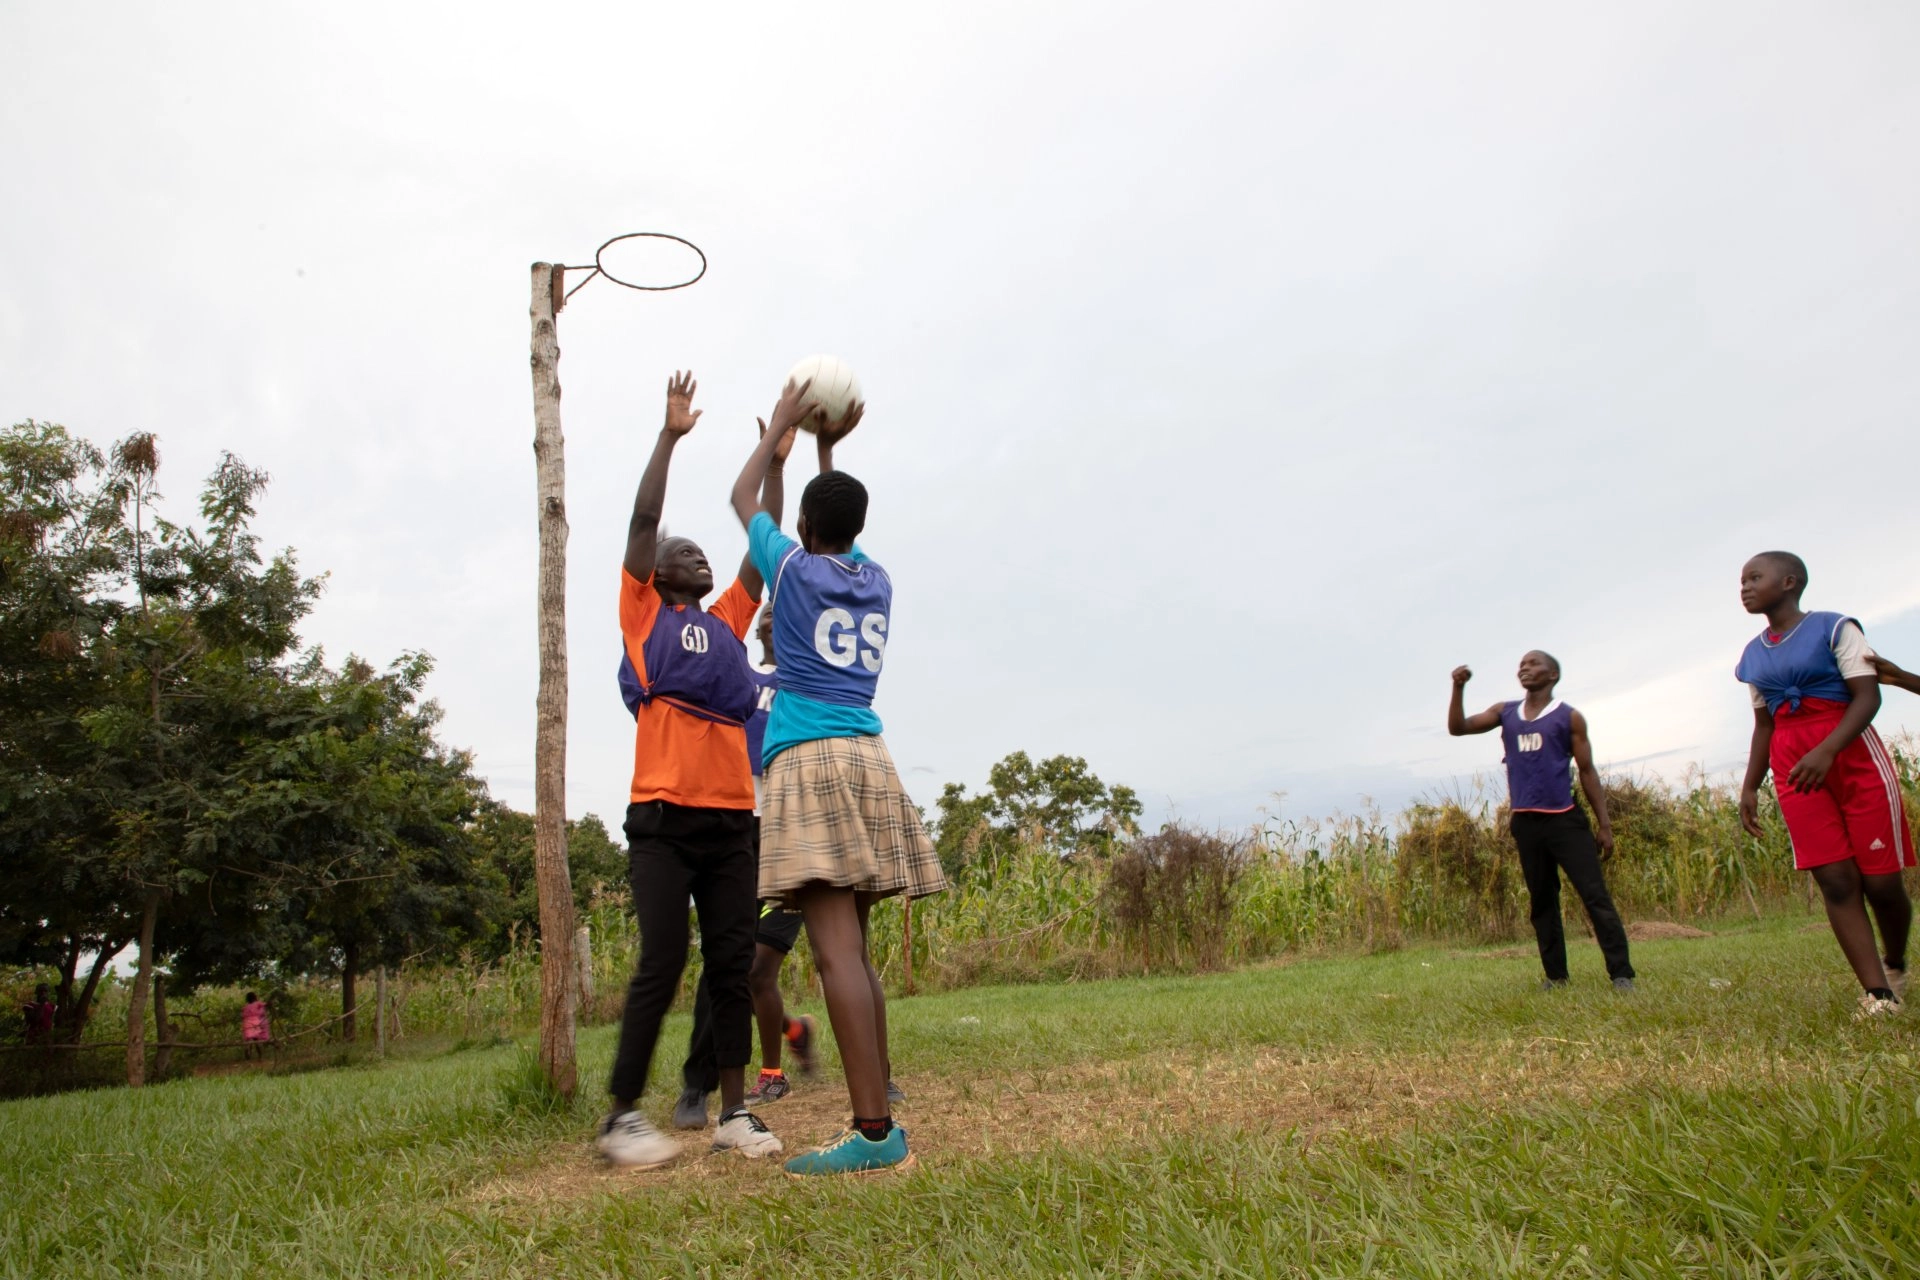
x=1459, y=723
x=1890, y=673
x=1590, y=783
x=833, y=433
x=1810, y=771
x=1757, y=753
x=643, y=530
x=749, y=488
x=773, y=497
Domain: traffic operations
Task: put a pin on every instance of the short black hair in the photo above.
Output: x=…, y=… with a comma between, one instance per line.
x=251, y=997
x=1551, y=661
x=1787, y=562
x=834, y=506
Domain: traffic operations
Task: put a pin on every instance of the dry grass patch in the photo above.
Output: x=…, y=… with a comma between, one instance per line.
x=1271, y=1095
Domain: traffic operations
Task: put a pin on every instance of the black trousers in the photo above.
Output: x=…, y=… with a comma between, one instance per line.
x=701, y=1070
x=1549, y=844
x=674, y=852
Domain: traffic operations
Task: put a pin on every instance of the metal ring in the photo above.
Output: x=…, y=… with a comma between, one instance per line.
x=649, y=235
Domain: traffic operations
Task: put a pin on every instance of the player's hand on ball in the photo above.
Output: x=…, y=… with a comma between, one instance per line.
x=1750, y=814
x=832, y=433
x=681, y=415
x=785, y=446
x=792, y=408
x=1462, y=674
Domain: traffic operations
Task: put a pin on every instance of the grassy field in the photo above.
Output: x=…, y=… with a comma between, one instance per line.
x=1424, y=1112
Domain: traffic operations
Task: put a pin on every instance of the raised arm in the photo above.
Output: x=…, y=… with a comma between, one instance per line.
x=777, y=439
x=1459, y=723
x=1590, y=783
x=1758, y=751
x=643, y=530
x=832, y=433
x=773, y=496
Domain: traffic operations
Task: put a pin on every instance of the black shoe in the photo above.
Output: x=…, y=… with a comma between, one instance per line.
x=691, y=1111
x=1623, y=984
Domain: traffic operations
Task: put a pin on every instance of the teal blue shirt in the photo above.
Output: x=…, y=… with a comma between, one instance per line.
x=828, y=667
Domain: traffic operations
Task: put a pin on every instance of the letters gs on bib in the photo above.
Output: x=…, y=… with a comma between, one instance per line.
x=838, y=642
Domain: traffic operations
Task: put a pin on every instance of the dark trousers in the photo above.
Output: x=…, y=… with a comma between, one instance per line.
x=701, y=1070
x=673, y=852
x=1549, y=844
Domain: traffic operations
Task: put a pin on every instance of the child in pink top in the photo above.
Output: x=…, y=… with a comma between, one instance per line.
x=254, y=1028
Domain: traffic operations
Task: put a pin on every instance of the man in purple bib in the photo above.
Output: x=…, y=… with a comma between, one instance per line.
x=1543, y=738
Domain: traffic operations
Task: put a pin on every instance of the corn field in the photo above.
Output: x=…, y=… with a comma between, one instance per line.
x=1180, y=900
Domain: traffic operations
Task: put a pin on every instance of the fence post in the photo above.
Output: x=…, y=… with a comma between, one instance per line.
x=380, y=1010
x=906, y=940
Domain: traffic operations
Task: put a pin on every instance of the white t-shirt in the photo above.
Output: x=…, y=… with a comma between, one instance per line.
x=1849, y=650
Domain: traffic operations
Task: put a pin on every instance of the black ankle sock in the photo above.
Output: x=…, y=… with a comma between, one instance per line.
x=1895, y=962
x=874, y=1130
x=1883, y=993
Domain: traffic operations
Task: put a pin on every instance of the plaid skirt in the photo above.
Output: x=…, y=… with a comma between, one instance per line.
x=835, y=812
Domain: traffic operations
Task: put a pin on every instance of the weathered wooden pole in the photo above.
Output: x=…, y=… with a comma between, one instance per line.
x=380, y=1011
x=552, y=882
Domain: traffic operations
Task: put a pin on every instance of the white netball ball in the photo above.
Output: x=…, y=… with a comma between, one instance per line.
x=834, y=389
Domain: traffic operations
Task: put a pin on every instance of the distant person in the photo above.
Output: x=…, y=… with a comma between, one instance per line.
x=773, y=938
x=1816, y=690
x=1545, y=740
x=838, y=831
x=256, y=1029
x=689, y=822
x=37, y=1015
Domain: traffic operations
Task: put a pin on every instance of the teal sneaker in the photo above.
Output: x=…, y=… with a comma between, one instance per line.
x=851, y=1153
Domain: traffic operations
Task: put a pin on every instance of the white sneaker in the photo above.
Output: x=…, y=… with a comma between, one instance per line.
x=1875, y=1007
x=1897, y=979
x=629, y=1140
x=741, y=1130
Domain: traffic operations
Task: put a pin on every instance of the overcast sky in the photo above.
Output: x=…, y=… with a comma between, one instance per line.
x=1234, y=371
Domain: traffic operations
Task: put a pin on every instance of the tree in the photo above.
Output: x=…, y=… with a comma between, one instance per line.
x=503, y=838
x=1058, y=803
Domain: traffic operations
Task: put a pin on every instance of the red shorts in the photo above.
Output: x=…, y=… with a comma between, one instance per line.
x=1857, y=813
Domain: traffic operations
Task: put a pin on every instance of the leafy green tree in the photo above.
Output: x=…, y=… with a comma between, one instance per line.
x=1058, y=802
x=503, y=837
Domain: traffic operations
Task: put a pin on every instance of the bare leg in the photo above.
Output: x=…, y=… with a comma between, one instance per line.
x=763, y=983
x=1893, y=911
x=1840, y=888
x=839, y=951
x=864, y=903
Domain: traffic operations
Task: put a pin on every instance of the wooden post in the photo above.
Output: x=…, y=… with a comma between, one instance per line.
x=552, y=882
x=380, y=1010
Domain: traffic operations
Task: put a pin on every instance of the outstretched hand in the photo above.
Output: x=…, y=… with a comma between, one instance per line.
x=791, y=410
x=832, y=433
x=785, y=447
x=1887, y=672
x=681, y=415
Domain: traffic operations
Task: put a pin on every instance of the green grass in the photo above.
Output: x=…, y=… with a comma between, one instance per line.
x=1418, y=1113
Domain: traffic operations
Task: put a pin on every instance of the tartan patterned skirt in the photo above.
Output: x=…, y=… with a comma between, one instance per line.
x=835, y=812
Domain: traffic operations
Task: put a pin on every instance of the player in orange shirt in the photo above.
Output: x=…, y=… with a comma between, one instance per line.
x=690, y=825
